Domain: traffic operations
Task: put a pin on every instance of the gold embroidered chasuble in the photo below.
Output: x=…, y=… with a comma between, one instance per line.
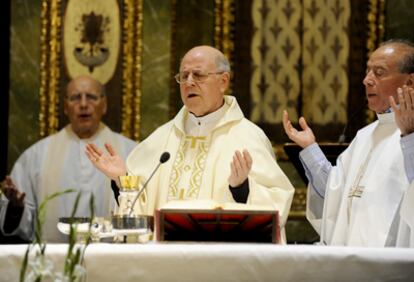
x=200, y=161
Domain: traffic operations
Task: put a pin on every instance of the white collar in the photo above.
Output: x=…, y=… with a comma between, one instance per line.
x=386, y=118
x=203, y=125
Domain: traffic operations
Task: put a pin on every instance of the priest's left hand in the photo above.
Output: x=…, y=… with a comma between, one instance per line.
x=15, y=197
x=240, y=168
x=404, y=115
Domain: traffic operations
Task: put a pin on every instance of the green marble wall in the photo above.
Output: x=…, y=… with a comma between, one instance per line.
x=399, y=19
x=155, y=65
x=24, y=77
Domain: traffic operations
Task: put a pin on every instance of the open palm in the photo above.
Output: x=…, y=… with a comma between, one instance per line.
x=111, y=164
x=304, y=137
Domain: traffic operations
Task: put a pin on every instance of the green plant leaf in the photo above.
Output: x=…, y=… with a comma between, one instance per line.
x=24, y=264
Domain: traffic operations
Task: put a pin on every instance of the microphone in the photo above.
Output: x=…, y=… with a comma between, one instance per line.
x=164, y=157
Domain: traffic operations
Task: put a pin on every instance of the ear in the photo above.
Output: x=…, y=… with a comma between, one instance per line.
x=225, y=81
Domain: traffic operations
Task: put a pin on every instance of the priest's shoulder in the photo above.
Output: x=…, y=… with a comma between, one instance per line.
x=247, y=127
x=36, y=148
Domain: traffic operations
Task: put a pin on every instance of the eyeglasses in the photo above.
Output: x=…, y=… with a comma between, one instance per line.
x=90, y=98
x=197, y=76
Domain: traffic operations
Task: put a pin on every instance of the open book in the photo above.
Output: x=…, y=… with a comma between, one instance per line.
x=207, y=220
x=213, y=205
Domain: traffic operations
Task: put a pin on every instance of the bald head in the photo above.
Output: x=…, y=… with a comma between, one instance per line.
x=405, y=50
x=85, y=104
x=204, y=78
x=220, y=61
x=85, y=79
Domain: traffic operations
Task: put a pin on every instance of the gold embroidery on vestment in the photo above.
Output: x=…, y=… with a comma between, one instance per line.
x=199, y=146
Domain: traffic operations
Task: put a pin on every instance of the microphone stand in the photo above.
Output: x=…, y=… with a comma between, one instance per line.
x=164, y=157
x=142, y=189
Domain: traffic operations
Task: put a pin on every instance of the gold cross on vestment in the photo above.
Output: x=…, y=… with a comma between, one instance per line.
x=181, y=194
x=194, y=140
x=356, y=192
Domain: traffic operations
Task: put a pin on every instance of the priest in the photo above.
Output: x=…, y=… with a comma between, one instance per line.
x=216, y=153
x=58, y=162
x=357, y=202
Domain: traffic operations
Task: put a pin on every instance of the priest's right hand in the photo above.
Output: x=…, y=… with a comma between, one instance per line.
x=111, y=164
x=304, y=137
x=15, y=197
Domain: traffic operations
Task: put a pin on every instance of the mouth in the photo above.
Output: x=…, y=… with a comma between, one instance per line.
x=192, y=95
x=371, y=95
x=84, y=116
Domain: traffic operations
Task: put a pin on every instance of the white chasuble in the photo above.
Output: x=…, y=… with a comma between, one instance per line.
x=199, y=166
x=405, y=237
x=364, y=189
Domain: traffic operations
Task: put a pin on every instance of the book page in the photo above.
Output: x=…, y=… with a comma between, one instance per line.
x=213, y=205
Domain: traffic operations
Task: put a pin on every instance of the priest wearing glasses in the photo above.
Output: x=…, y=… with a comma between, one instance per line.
x=216, y=153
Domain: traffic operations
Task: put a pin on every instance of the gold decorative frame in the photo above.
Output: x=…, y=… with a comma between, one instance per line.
x=223, y=29
x=132, y=67
x=224, y=21
x=50, y=53
x=50, y=66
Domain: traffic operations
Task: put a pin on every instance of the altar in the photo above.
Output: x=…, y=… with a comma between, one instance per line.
x=225, y=262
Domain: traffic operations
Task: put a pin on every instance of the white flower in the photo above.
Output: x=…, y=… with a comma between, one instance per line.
x=79, y=272
x=39, y=267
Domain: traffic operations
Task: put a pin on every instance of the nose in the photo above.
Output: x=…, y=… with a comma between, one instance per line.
x=192, y=82
x=83, y=101
x=368, y=80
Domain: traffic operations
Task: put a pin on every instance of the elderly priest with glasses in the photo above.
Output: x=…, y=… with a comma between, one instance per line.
x=58, y=162
x=216, y=153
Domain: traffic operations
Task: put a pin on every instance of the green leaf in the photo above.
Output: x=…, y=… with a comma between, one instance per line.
x=72, y=237
x=24, y=264
x=41, y=213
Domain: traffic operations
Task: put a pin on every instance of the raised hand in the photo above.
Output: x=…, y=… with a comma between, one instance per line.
x=404, y=115
x=304, y=137
x=9, y=189
x=240, y=168
x=111, y=164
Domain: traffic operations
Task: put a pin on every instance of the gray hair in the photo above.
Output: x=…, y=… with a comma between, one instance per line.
x=222, y=63
x=406, y=63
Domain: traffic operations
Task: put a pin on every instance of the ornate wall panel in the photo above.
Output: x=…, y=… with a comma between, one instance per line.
x=276, y=51
x=325, y=61
x=300, y=54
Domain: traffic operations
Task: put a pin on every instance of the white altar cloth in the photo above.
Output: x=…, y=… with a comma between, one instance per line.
x=226, y=262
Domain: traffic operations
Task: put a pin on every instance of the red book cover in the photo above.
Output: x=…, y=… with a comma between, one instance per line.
x=219, y=223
